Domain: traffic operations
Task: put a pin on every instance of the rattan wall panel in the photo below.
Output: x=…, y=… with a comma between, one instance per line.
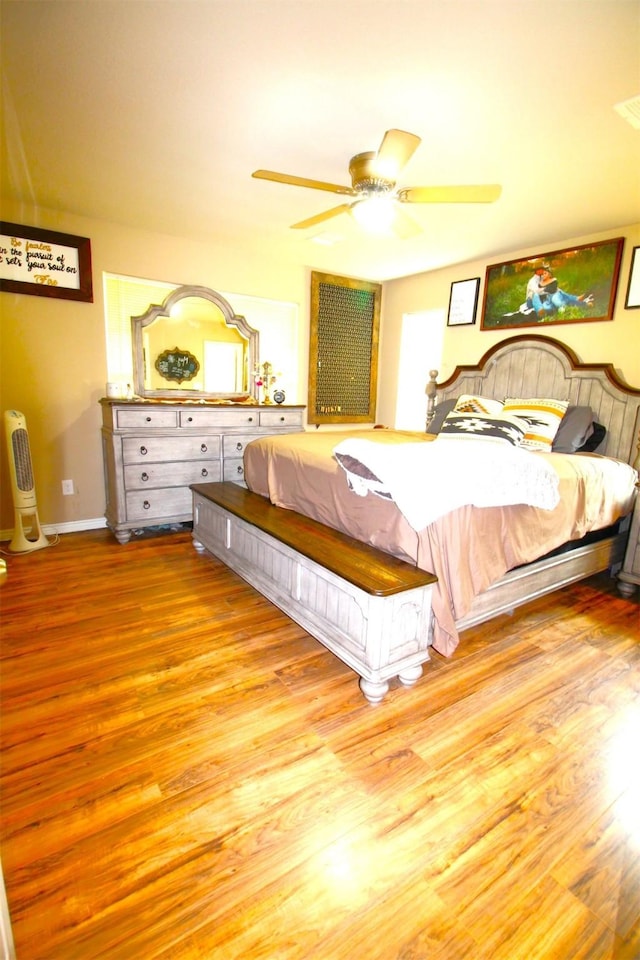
x=343, y=363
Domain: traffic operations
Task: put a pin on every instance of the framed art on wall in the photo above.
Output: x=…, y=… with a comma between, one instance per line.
x=574, y=285
x=463, y=302
x=45, y=263
x=633, y=289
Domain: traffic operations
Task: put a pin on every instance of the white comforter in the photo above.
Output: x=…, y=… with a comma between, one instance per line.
x=481, y=474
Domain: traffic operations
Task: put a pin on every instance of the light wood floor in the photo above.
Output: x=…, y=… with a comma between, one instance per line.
x=187, y=774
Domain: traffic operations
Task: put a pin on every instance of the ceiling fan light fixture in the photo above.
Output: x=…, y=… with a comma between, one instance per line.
x=374, y=214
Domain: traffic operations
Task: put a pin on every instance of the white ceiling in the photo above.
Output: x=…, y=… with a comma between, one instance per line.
x=155, y=114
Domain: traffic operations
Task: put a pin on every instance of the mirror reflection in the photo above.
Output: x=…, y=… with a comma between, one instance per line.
x=194, y=346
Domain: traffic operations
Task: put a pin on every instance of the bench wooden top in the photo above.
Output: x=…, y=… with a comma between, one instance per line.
x=371, y=570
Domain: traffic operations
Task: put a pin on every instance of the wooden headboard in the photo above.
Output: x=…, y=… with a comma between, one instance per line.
x=537, y=366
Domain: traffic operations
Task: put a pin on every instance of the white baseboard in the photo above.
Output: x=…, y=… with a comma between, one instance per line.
x=74, y=526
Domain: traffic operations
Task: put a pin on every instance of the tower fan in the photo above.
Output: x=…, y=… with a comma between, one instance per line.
x=27, y=534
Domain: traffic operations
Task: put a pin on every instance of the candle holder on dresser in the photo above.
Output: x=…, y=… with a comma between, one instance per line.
x=264, y=379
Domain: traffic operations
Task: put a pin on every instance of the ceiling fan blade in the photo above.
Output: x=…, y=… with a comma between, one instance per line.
x=320, y=217
x=302, y=182
x=395, y=151
x=479, y=193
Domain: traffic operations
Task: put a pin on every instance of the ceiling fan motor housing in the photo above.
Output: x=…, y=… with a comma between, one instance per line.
x=364, y=178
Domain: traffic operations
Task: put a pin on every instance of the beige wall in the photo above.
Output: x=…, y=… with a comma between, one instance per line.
x=53, y=355
x=616, y=341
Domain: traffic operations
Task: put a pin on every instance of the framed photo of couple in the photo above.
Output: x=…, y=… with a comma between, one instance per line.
x=575, y=285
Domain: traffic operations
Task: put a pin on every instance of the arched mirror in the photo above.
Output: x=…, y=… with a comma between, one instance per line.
x=193, y=346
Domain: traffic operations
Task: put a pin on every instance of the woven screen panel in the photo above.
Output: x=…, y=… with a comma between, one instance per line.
x=345, y=332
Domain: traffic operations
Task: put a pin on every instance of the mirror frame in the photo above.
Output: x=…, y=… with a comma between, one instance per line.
x=164, y=310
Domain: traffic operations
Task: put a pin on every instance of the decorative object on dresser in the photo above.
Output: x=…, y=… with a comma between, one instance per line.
x=154, y=450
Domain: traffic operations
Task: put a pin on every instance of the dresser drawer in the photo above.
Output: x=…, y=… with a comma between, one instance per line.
x=281, y=418
x=233, y=470
x=146, y=418
x=158, y=505
x=161, y=449
x=221, y=417
x=234, y=445
x=142, y=476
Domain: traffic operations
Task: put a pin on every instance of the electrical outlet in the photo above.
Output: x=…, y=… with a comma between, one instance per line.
x=67, y=488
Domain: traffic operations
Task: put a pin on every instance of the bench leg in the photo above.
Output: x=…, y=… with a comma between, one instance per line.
x=374, y=690
x=410, y=676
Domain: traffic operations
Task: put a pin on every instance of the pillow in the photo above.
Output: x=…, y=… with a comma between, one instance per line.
x=468, y=403
x=498, y=428
x=575, y=429
x=542, y=417
x=596, y=440
x=438, y=418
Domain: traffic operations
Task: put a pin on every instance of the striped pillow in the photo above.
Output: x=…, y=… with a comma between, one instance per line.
x=542, y=417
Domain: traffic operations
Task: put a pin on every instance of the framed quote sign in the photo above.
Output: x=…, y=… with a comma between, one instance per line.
x=44, y=263
x=463, y=302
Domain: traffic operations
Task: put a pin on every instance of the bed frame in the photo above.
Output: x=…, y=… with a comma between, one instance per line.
x=538, y=366
x=526, y=366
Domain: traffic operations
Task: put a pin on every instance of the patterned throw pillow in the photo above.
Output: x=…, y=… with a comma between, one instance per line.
x=468, y=403
x=542, y=417
x=498, y=428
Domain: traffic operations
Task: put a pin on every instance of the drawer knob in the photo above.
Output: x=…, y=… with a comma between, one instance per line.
x=144, y=476
x=143, y=451
x=249, y=419
x=203, y=448
x=148, y=419
x=282, y=419
x=189, y=419
x=238, y=447
x=240, y=471
x=146, y=505
x=204, y=472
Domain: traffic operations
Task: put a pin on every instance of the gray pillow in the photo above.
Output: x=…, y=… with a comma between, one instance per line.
x=575, y=429
x=441, y=411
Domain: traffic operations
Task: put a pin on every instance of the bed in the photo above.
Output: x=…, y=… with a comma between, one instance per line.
x=489, y=558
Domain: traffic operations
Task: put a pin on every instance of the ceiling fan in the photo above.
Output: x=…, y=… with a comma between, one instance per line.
x=374, y=191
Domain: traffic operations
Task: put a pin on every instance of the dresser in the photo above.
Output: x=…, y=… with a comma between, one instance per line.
x=154, y=450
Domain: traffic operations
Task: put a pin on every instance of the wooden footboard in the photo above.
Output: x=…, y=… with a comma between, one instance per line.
x=371, y=610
